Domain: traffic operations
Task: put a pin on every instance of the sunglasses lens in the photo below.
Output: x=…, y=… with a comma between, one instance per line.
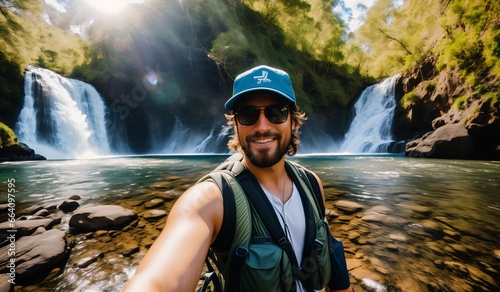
x=276, y=114
x=248, y=115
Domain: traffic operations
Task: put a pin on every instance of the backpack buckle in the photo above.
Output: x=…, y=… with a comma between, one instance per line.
x=241, y=251
x=282, y=242
x=319, y=247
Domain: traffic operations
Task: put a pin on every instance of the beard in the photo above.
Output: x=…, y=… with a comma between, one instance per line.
x=265, y=157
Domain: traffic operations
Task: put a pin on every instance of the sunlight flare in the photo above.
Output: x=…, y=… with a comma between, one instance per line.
x=108, y=6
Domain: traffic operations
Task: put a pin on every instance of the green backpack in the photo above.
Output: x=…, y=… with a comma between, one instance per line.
x=260, y=257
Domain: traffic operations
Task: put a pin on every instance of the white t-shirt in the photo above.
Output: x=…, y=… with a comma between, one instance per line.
x=292, y=212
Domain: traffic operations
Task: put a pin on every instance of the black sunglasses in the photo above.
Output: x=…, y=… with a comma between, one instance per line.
x=248, y=115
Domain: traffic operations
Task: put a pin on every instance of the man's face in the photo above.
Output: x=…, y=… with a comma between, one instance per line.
x=263, y=142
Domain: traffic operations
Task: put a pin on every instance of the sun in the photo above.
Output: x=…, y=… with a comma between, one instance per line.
x=108, y=6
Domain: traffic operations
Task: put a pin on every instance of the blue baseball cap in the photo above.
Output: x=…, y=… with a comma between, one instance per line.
x=262, y=78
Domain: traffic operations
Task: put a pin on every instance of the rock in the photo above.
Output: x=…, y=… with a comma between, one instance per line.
x=381, y=209
x=101, y=217
x=379, y=265
x=374, y=217
x=419, y=210
x=457, y=268
x=4, y=283
x=152, y=215
x=353, y=236
x=398, y=237
x=432, y=228
x=329, y=213
x=51, y=207
x=35, y=208
x=42, y=213
x=19, y=152
x=363, y=274
x=128, y=248
x=36, y=255
x=496, y=253
x=448, y=141
x=459, y=250
x=74, y=198
x=392, y=247
x=154, y=203
x=435, y=247
x=68, y=206
x=353, y=263
x=452, y=234
x=482, y=278
x=89, y=257
x=148, y=241
x=165, y=185
x=28, y=227
x=348, y=207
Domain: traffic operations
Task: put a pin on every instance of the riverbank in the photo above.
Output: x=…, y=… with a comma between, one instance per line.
x=105, y=259
x=406, y=224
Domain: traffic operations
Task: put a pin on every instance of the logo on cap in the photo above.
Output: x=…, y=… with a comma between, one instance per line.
x=262, y=78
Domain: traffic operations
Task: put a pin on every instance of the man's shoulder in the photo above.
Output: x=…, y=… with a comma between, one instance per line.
x=205, y=186
x=202, y=194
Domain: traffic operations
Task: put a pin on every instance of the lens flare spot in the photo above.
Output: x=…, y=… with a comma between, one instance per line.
x=108, y=6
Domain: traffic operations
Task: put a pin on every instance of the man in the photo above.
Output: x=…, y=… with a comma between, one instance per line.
x=266, y=122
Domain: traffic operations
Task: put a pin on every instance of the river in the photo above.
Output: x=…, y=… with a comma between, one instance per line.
x=425, y=224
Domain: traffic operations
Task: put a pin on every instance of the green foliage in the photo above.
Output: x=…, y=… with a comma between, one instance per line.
x=394, y=38
x=459, y=102
x=231, y=48
x=29, y=40
x=7, y=136
x=11, y=86
x=303, y=37
x=405, y=36
x=492, y=99
x=430, y=86
x=409, y=100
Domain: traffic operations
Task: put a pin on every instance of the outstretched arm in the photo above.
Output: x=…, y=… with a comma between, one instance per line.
x=174, y=262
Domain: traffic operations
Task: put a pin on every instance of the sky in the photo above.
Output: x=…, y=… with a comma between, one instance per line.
x=354, y=17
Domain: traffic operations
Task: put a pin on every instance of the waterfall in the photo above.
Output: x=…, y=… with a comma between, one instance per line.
x=370, y=130
x=187, y=140
x=62, y=117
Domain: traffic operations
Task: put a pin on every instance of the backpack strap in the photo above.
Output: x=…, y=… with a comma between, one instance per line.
x=237, y=216
x=313, y=184
x=265, y=211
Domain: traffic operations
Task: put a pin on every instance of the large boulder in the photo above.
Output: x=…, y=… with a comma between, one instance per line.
x=19, y=152
x=101, y=217
x=448, y=141
x=35, y=255
x=28, y=227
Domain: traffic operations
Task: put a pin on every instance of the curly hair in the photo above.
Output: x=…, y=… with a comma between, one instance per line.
x=297, y=116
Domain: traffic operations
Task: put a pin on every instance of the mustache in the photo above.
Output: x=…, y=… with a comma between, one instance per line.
x=267, y=134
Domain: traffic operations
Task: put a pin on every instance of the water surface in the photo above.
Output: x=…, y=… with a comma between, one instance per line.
x=439, y=226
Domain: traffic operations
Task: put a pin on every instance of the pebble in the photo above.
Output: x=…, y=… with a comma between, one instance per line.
x=152, y=215
x=154, y=203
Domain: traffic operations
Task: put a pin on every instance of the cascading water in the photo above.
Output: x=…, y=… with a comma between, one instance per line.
x=66, y=118
x=187, y=140
x=370, y=130
x=61, y=117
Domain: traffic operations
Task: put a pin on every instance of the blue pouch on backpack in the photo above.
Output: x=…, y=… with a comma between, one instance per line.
x=340, y=275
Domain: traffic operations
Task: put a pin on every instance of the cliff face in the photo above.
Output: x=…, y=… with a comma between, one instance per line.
x=429, y=99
